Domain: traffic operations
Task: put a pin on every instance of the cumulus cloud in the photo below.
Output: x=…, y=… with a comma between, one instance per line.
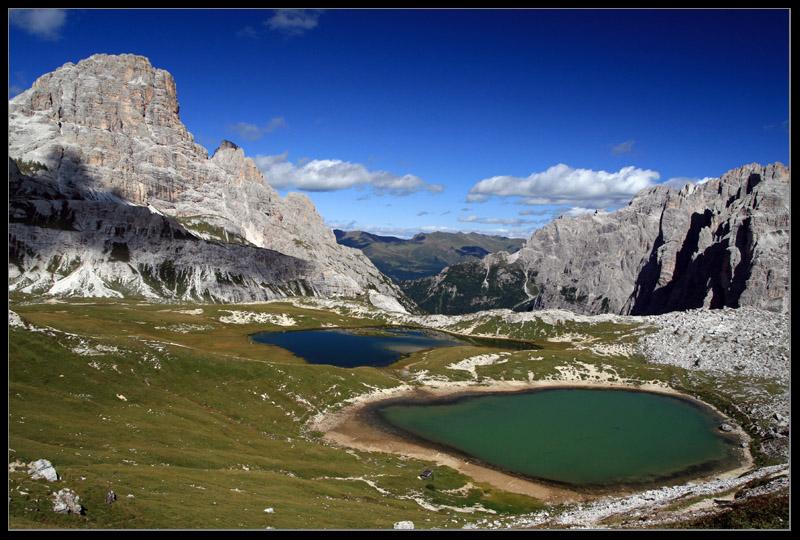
x=576, y=211
x=293, y=21
x=564, y=185
x=530, y=212
x=334, y=174
x=43, y=23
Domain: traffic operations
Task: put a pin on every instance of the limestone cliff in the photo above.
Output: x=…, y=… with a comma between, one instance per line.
x=116, y=197
x=721, y=244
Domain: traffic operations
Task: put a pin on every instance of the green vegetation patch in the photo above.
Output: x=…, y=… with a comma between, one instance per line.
x=29, y=167
x=470, y=287
x=195, y=425
x=769, y=511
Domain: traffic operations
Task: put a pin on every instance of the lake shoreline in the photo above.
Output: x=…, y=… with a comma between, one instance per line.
x=357, y=426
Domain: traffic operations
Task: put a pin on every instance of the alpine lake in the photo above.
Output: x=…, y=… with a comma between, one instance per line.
x=375, y=347
x=577, y=437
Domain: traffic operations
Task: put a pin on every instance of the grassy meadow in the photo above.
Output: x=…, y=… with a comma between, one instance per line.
x=195, y=426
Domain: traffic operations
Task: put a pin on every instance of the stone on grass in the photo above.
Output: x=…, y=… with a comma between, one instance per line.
x=42, y=468
x=66, y=501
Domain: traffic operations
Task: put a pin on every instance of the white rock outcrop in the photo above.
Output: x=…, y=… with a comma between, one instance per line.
x=66, y=501
x=42, y=469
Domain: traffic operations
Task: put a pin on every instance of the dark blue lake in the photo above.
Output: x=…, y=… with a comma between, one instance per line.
x=376, y=347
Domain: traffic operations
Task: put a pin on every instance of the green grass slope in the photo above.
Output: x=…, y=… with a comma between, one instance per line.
x=195, y=426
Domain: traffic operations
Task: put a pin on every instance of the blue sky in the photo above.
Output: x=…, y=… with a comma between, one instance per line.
x=494, y=121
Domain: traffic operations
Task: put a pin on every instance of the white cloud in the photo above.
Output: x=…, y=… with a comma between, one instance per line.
x=531, y=212
x=293, y=21
x=623, y=148
x=334, y=174
x=43, y=23
x=513, y=222
x=678, y=183
x=561, y=184
x=576, y=211
x=253, y=132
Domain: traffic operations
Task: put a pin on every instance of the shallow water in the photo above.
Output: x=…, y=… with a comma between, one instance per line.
x=581, y=437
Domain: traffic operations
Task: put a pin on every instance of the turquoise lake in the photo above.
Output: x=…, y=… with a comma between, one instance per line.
x=377, y=347
x=580, y=437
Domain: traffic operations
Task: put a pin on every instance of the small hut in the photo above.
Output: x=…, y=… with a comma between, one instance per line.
x=427, y=474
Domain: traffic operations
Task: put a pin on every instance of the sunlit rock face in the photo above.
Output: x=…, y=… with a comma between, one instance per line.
x=721, y=244
x=113, y=188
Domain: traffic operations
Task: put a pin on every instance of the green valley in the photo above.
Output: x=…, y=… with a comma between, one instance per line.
x=194, y=425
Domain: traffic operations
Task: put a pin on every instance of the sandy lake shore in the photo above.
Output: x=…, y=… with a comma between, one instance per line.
x=354, y=427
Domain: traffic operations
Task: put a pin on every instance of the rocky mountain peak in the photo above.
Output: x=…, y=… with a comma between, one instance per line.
x=107, y=130
x=226, y=145
x=118, y=94
x=724, y=243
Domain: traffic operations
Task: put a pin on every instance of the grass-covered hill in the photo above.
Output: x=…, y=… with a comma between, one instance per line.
x=195, y=426
x=471, y=286
x=425, y=254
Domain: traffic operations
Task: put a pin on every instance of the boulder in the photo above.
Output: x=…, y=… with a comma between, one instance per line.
x=42, y=468
x=66, y=501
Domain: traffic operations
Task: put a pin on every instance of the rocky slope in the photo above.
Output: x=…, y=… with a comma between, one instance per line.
x=115, y=197
x=721, y=244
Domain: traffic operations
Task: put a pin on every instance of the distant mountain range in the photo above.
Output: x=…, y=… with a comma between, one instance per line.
x=425, y=254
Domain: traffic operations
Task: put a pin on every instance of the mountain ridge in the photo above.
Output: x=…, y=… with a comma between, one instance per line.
x=106, y=131
x=109, y=195
x=721, y=244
